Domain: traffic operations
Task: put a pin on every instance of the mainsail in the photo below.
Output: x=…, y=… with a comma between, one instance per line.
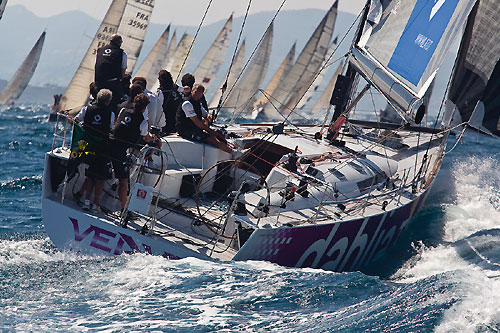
x=242, y=95
x=214, y=58
x=475, y=87
x=283, y=69
x=403, y=46
x=23, y=75
x=294, y=85
x=127, y=17
x=323, y=102
x=172, y=46
x=153, y=63
x=3, y=3
x=235, y=70
x=319, y=78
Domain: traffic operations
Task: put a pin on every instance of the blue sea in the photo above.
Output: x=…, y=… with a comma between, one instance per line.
x=442, y=275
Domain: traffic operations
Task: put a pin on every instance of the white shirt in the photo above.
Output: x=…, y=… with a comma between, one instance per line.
x=155, y=115
x=188, y=109
x=81, y=115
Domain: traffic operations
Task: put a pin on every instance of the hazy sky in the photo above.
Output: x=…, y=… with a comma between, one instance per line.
x=183, y=12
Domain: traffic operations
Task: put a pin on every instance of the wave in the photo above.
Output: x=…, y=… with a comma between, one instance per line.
x=22, y=183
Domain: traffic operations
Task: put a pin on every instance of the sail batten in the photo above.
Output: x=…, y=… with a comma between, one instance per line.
x=24, y=73
x=126, y=17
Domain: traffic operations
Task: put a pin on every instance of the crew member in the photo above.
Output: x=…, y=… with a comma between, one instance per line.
x=110, y=67
x=193, y=121
x=130, y=127
x=172, y=99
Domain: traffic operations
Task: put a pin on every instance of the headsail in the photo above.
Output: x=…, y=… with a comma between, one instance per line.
x=3, y=3
x=127, y=17
x=23, y=75
x=283, y=69
x=404, y=44
x=301, y=76
x=475, y=87
x=214, y=58
x=153, y=63
x=241, y=96
x=179, y=59
x=236, y=68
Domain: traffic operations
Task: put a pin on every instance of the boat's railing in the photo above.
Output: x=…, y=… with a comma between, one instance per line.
x=61, y=132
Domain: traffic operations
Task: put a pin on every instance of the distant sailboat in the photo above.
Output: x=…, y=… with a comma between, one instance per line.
x=214, y=58
x=23, y=75
x=243, y=93
x=236, y=68
x=153, y=63
x=180, y=57
x=3, y=3
x=272, y=86
x=294, y=85
x=323, y=102
x=128, y=18
x=319, y=78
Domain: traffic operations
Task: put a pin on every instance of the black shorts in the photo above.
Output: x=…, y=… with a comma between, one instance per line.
x=195, y=134
x=121, y=166
x=99, y=168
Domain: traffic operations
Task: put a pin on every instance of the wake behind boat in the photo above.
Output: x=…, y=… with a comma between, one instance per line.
x=324, y=196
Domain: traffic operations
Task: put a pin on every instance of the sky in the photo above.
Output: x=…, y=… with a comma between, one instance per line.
x=184, y=12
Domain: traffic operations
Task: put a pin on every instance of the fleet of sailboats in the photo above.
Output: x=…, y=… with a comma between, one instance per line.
x=24, y=73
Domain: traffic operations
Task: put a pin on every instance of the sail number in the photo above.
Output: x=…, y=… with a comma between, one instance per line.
x=149, y=3
x=137, y=24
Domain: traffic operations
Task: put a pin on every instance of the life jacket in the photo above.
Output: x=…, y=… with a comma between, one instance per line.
x=127, y=130
x=108, y=63
x=96, y=121
x=172, y=100
x=185, y=124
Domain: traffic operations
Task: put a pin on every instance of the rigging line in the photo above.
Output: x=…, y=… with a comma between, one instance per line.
x=253, y=52
x=194, y=39
x=224, y=86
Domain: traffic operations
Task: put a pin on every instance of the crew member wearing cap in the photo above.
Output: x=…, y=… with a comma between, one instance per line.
x=110, y=67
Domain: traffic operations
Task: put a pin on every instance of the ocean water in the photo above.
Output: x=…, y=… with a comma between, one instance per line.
x=442, y=275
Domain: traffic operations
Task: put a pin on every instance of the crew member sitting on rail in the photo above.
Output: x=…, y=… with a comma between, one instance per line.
x=129, y=129
x=193, y=122
x=98, y=120
x=172, y=99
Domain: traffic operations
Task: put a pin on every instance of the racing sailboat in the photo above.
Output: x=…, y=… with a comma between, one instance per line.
x=24, y=73
x=324, y=196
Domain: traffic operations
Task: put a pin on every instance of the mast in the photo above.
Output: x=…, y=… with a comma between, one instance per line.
x=214, y=58
x=236, y=69
x=241, y=95
x=154, y=61
x=127, y=17
x=3, y=4
x=24, y=73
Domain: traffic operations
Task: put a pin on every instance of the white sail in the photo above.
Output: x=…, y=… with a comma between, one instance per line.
x=283, y=69
x=319, y=79
x=127, y=17
x=180, y=58
x=23, y=75
x=242, y=94
x=324, y=100
x=236, y=68
x=3, y=3
x=214, y=58
x=403, y=46
x=153, y=63
x=295, y=84
x=172, y=46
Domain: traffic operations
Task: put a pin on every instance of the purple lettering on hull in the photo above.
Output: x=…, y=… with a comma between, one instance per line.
x=102, y=240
